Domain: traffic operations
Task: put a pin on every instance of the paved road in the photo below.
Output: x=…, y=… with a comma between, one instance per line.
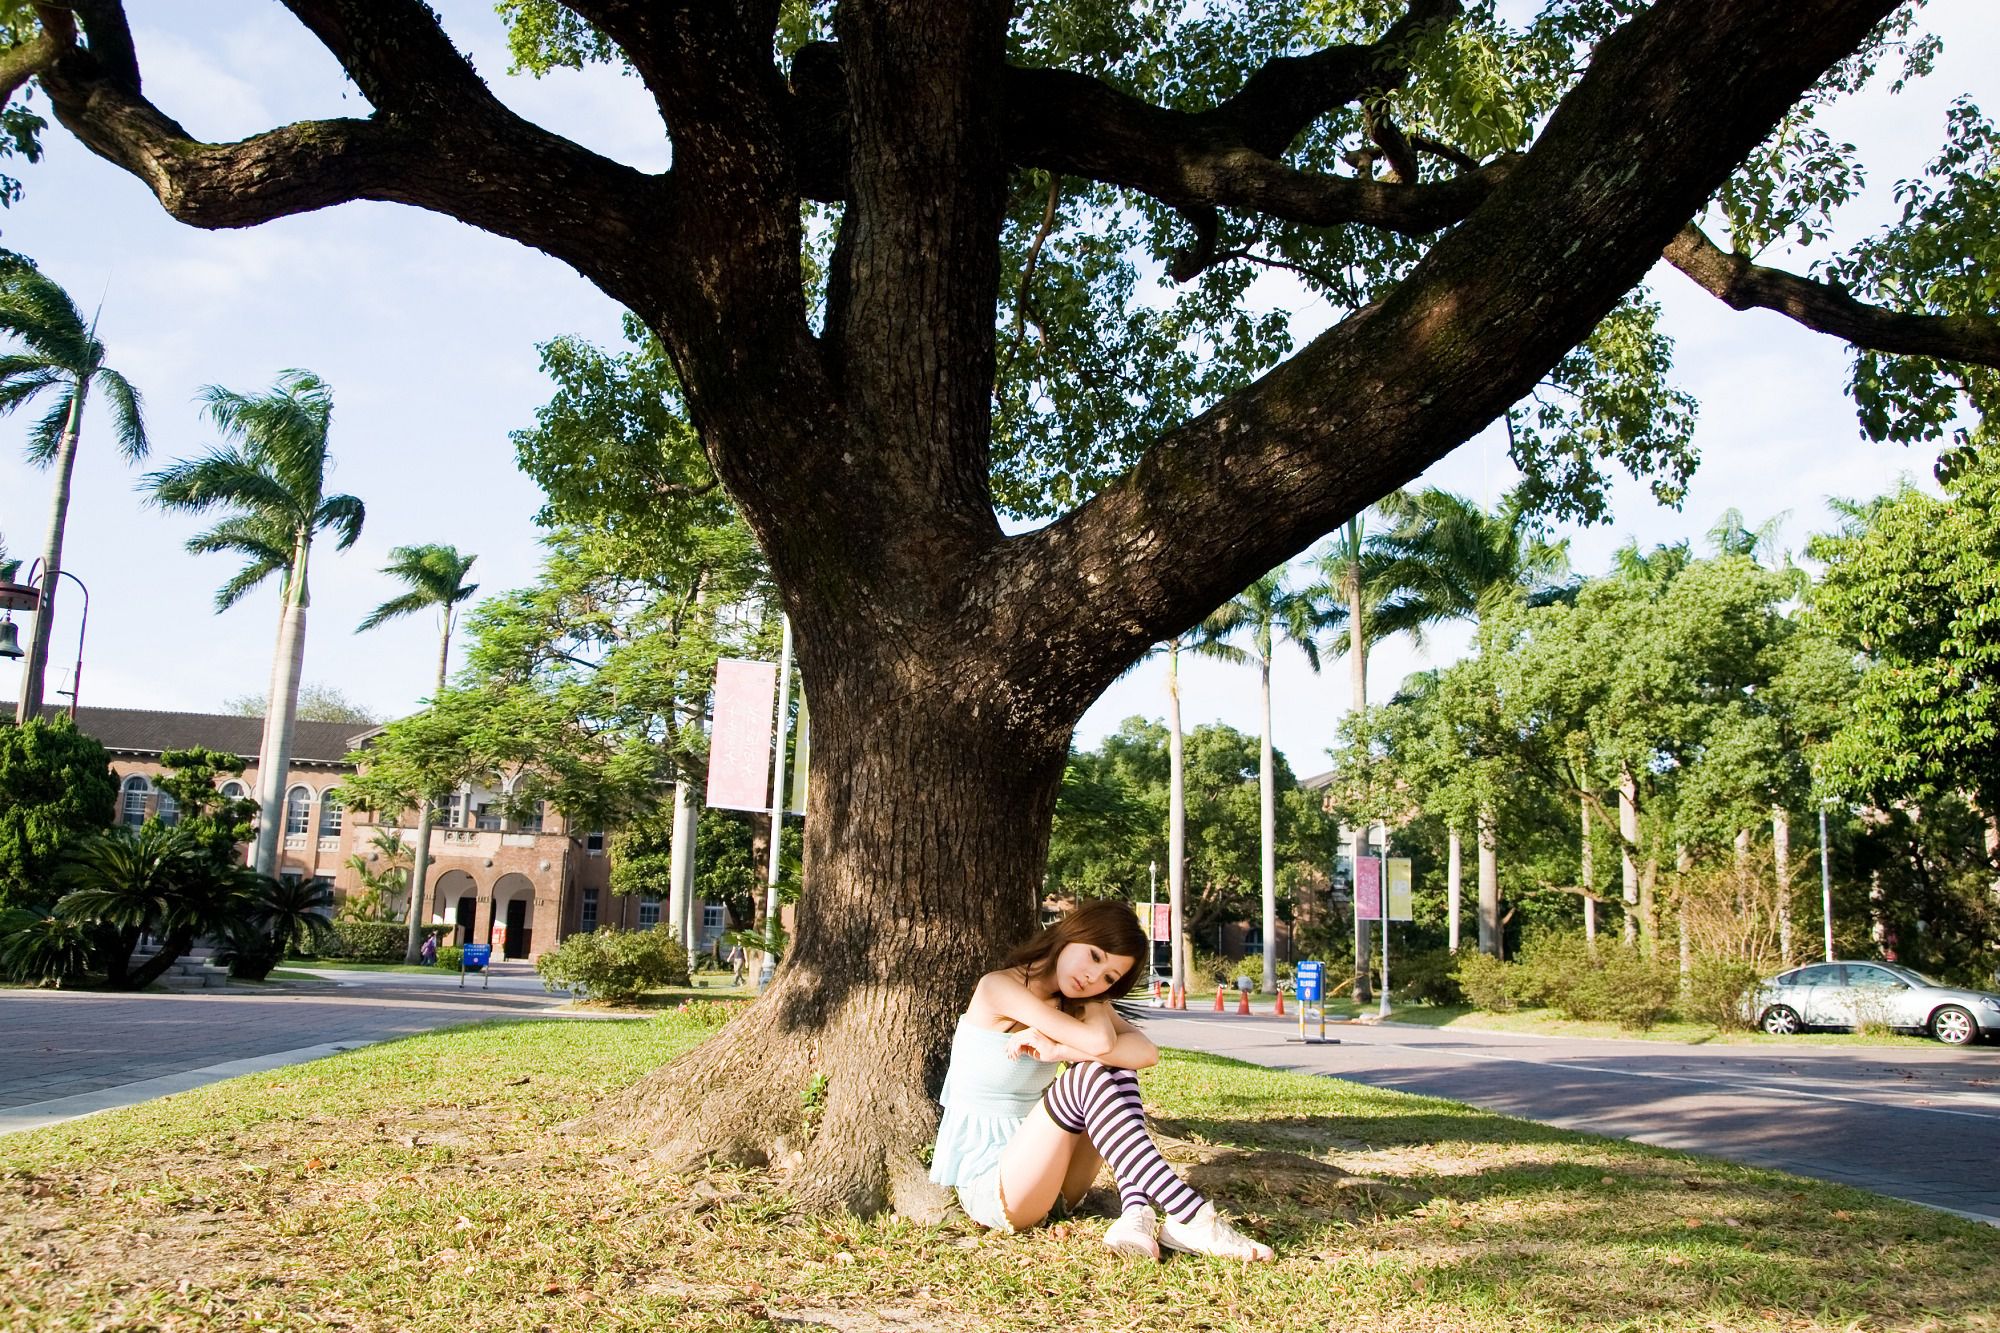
x=1918, y=1124
x=65, y=1053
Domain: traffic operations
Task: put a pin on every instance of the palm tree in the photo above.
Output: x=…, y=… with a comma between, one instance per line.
x=1265, y=612
x=58, y=352
x=436, y=578
x=1445, y=557
x=274, y=479
x=160, y=878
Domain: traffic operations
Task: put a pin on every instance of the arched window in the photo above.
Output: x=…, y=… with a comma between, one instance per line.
x=329, y=813
x=233, y=790
x=132, y=804
x=298, y=811
x=167, y=810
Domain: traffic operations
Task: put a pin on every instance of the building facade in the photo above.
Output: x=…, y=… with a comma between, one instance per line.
x=538, y=877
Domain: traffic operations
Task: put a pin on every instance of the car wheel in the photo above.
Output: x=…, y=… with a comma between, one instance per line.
x=1954, y=1026
x=1781, y=1021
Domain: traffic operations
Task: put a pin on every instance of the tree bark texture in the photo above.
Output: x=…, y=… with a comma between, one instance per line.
x=35, y=669
x=1628, y=849
x=1454, y=881
x=1489, y=885
x=954, y=660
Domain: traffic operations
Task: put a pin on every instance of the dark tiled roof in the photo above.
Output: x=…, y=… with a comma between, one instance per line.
x=1319, y=780
x=140, y=731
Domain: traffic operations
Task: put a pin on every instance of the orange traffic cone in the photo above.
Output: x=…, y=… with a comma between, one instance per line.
x=1180, y=997
x=1156, y=995
x=1220, y=991
x=1243, y=1003
x=1279, y=1012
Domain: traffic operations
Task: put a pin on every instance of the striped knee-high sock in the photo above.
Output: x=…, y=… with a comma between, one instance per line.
x=1103, y=1103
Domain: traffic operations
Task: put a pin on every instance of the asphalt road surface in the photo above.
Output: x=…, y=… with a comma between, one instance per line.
x=69, y=1053
x=1921, y=1124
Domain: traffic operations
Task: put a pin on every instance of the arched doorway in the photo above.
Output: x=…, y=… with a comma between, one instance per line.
x=456, y=899
x=514, y=907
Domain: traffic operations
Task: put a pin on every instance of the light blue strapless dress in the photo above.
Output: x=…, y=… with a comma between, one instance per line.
x=986, y=1097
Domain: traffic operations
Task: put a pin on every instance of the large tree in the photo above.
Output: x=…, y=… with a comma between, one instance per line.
x=971, y=165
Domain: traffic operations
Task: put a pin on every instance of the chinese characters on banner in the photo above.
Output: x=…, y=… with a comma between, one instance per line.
x=1400, y=907
x=739, y=743
x=1368, y=888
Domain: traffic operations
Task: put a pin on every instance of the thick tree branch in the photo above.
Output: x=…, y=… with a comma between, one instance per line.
x=1081, y=127
x=1671, y=102
x=20, y=63
x=1828, y=307
x=397, y=55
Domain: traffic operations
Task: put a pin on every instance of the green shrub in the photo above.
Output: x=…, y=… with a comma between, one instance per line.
x=614, y=965
x=1426, y=977
x=1715, y=991
x=1485, y=981
x=372, y=941
x=43, y=950
x=450, y=957
x=1612, y=982
x=711, y=1013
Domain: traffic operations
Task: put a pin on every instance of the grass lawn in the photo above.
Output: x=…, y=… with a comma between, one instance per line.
x=421, y=1185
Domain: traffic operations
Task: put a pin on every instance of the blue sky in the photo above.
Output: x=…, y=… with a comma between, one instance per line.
x=426, y=329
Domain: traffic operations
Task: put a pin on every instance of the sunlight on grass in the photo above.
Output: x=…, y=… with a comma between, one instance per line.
x=424, y=1184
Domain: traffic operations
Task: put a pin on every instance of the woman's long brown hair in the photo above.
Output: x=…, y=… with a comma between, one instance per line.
x=1111, y=926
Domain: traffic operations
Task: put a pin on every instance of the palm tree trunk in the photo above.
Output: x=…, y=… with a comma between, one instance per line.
x=1489, y=885
x=420, y=860
x=1176, y=823
x=1454, y=879
x=1357, y=679
x=1628, y=853
x=35, y=669
x=288, y=662
x=1781, y=858
x=1268, y=816
x=1587, y=872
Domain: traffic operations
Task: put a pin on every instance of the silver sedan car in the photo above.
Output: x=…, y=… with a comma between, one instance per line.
x=1853, y=994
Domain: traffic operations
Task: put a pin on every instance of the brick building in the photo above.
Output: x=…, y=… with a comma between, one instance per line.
x=539, y=877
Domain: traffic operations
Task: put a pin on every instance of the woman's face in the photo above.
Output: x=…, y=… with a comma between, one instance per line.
x=1084, y=970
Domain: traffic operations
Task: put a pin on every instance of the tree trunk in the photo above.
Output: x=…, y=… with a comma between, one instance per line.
x=288, y=661
x=421, y=856
x=1628, y=856
x=1454, y=880
x=1781, y=862
x=1649, y=918
x=172, y=949
x=34, y=670
x=1176, y=824
x=915, y=891
x=1489, y=886
x=1683, y=863
x=1587, y=872
x=1267, y=812
x=680, y=865
x=1357, y=680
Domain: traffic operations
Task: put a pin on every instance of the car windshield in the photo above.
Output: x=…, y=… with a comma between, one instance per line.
x=1907, y=974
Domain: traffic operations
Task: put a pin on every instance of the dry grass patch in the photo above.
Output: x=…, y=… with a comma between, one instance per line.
x=424, y=1185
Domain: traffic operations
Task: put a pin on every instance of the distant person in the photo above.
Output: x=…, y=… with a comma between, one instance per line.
x=738, y=962
x=427, y=952
x=1020, y=1135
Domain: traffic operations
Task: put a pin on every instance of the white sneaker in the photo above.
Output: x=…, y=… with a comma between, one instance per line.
x=1209, y=1234
x=1135, y=1234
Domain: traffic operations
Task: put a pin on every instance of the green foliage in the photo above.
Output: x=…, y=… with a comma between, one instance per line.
x=1913, y=582
x=56, y=789
x=59, y=357
x=1610, y=982
x=450, y=957
x=368, y=941
x=1484, y=981
x=1716, y=988
x=614, y=965
x=42, y=949
x=318, y=702
x=1428, y=976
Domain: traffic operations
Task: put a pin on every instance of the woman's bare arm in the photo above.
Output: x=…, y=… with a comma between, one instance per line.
x=1003, y=995
x=1130, y=1049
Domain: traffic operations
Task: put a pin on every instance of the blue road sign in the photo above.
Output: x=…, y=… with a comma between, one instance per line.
x=1310, y=979
x=477, y=956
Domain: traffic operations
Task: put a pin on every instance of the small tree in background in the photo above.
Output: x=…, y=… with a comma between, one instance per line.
x=56, y=789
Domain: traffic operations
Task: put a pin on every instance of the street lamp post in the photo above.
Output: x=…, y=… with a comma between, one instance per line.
x=27, y=596
x=1152, y=917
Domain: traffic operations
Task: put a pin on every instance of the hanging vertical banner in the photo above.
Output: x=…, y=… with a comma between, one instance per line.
x=1400, y=906
x=1163, y=923
x=1368, y=888
x=739, y=741
x=801, y=759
